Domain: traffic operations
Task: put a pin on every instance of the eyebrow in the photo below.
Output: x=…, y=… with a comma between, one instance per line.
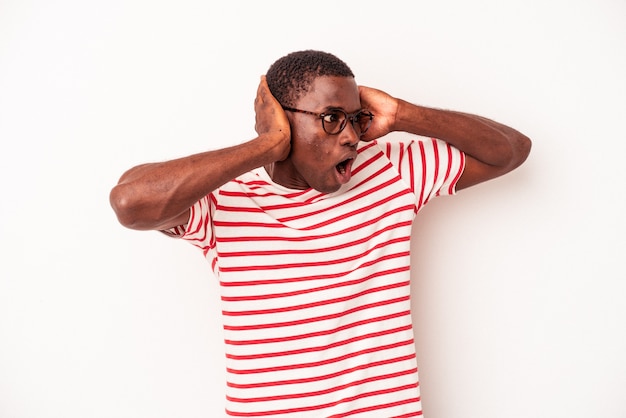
x=342, y=109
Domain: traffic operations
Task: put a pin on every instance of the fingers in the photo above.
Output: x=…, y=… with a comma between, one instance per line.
x=259, y=91
x=262, y=90
x=269, y=114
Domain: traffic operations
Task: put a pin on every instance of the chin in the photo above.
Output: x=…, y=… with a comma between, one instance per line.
x=328, y=189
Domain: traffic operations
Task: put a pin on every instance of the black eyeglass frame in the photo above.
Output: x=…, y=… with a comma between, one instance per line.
x=348, y=116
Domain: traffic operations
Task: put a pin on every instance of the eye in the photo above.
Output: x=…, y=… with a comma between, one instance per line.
x=361, y=118
x=333, y=121
x=332, y=117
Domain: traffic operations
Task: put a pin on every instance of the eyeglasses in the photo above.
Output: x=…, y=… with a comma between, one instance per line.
x=335, y=120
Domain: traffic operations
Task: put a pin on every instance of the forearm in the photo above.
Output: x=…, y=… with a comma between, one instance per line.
x=157, y=195
x=491, y=148
x=487, y=141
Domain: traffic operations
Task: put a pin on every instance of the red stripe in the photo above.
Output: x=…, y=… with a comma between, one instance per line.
x=193, y=216
x=243, y=224
x=311, y=290
x=314, y=263
x=383, y=406
x=319, y=333
x=400, y=158
x=411, y=414
x=235, y=193
x=213, y=199
x=367, y=163
x=320, y=348
x=330, y=404
x=411, y=170
x=240, y=209
x=261, y=184
x=449, y=165
x=316, y=250
x=437, y=162
x=319, y=303
x=372, y=176
x=315, y=277
x=423, y=156
x=325, y=391
x=458, y=175
x=201, y=225
x=367, y=193
x=367, y=146
x=357, y=227
x=253, y=182
x=323, y=377
x=319, y=225
x=322, y=362
x=292, y=205
x=412, y=174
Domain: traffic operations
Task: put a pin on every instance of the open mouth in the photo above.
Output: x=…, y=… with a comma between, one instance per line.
x=344, y=166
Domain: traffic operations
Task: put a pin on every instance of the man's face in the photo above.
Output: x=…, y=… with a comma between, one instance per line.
x=318, y=159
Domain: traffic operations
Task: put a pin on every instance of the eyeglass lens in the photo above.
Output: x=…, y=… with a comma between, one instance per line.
x=334, y=121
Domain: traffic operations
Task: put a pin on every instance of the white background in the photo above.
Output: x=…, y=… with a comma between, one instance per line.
x=519, y=284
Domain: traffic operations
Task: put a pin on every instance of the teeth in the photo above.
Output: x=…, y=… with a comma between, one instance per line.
x=341, y=167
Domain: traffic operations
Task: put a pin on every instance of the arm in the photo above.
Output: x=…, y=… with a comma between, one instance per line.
x=158, y=196
x=492, y=149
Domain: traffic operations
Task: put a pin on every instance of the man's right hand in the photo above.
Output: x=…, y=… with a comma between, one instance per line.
x=159, y=195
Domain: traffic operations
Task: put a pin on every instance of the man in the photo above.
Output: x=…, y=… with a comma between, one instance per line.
x=307, y=227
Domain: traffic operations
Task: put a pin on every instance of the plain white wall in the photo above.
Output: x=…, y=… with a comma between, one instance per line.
x=519, y=284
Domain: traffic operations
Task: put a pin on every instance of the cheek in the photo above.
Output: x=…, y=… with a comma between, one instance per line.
x=318, y=158
x=318, y=150
x=312, y=151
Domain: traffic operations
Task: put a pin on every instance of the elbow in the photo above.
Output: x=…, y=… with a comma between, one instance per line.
x=510, y=154
x=513, y=155
x=123, y=206
x=522, y=146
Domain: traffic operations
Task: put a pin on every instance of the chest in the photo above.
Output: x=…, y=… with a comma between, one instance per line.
x=259, y=234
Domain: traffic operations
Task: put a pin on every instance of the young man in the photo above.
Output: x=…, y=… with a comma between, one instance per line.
x=307, y=227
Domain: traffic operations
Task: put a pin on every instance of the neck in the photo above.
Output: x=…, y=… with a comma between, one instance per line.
x=281, y=173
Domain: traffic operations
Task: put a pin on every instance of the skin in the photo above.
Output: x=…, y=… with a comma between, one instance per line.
x=492, y=149
x=298, y=154
x=314, y=153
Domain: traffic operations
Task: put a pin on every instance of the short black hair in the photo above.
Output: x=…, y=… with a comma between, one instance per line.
x=291, y=76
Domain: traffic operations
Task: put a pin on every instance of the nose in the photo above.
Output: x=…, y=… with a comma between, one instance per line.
x=349, y=135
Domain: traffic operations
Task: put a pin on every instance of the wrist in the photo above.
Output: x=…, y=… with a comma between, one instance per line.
x=274, y=146
x=407, y=117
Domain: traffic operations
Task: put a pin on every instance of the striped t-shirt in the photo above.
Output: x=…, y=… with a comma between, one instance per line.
x=315, y=287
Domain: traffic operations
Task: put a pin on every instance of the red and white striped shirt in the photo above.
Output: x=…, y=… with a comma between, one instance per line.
x=315, y=287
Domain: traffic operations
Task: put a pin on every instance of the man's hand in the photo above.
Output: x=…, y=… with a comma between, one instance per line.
x=159, y=195
x=271, y=122
x=385, y=109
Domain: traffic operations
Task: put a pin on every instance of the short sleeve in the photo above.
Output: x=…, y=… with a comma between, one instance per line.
x=430, y=167
x=199, y=229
